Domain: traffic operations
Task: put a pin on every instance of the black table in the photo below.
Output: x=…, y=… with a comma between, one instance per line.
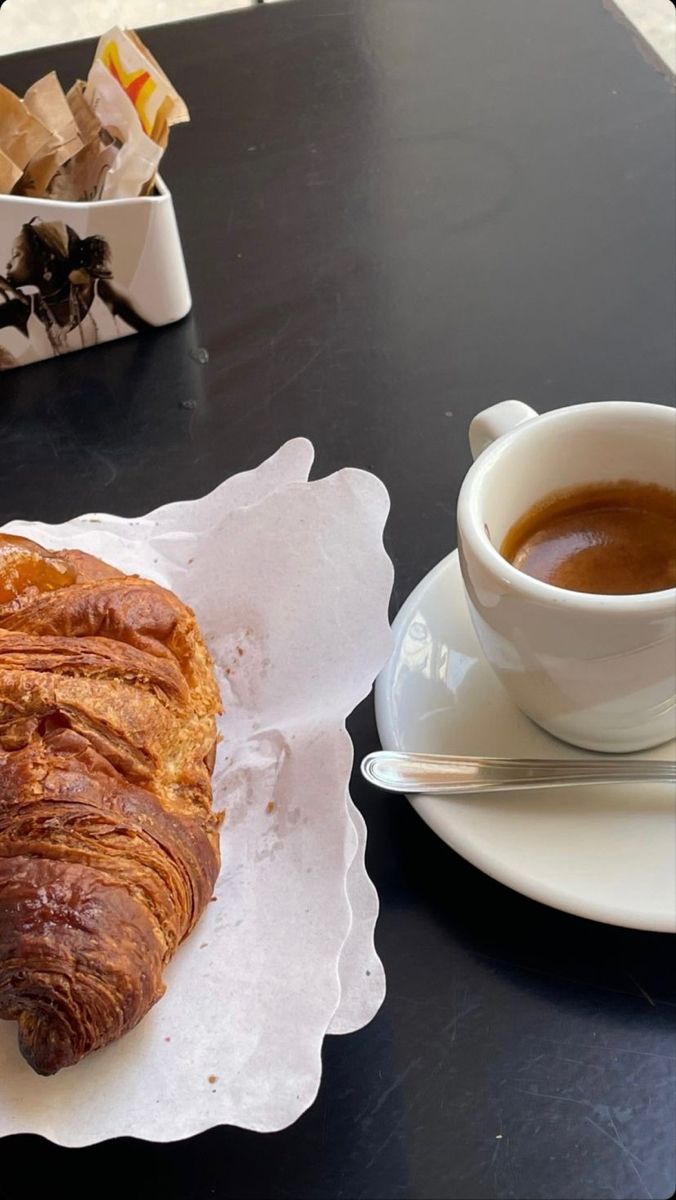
x=394, y=213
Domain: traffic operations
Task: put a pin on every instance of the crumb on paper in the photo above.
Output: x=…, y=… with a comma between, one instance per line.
x=270, y=806
x=240, y=651
x=204, y=945
x=213, y=1079
x=167, y=1039
x=212, y=899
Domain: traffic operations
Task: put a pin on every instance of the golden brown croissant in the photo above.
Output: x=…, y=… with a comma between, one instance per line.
x=108, y=842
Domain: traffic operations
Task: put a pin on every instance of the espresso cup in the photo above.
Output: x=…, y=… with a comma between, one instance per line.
x=596, y=670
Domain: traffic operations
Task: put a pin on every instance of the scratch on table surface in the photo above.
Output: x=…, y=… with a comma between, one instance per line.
x=551, y=1096
x=558, y=977
x=396, y=1082
x=531, y=1063
x=579, y=1062
x=614, y=1049
x=457, y=1018
x=277, y=335
x=617, y=1141
x=641, y=989
x=110, y=466
x=50, y=439
x=300, y=371
x=385, y=1143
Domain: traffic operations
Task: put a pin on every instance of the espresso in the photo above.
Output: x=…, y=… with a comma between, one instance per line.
x=609, y=538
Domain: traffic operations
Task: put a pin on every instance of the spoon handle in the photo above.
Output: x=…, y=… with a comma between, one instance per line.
x=396, y=771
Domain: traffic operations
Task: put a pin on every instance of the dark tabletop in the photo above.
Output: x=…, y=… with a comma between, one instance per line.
x=394, y=213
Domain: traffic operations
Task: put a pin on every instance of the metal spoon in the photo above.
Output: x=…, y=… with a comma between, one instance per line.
x=451, y=774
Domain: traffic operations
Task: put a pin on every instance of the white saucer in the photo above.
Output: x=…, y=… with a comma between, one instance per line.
x=605, y=852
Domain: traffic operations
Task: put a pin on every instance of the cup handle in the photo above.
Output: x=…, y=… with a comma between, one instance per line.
x=493, y=422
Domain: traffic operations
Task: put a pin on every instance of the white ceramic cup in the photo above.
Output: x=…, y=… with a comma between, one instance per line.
x=597, y=671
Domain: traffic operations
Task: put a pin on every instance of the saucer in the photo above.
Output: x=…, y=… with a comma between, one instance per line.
x=604, y=851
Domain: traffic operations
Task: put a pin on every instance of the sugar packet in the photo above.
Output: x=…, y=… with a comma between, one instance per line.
x=141, y=77
x=47, y=102
x=21, y=134
x=137, y=156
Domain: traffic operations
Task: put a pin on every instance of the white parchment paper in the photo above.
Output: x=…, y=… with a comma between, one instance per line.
x=291, y=583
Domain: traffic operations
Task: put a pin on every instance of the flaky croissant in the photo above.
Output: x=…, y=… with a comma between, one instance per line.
x=109, y=846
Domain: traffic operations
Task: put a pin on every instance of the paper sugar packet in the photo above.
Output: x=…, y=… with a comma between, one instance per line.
x=47, y=102
x=21, y=134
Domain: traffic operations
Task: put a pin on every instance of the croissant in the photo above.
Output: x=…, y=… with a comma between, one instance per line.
x=109, y=846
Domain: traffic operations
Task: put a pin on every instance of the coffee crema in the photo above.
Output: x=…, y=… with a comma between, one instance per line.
x=609, y=538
